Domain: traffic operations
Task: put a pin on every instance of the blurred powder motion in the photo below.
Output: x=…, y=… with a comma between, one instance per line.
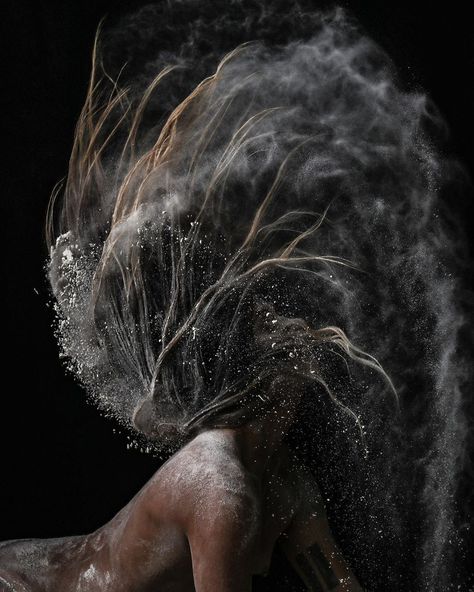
x=253, y=191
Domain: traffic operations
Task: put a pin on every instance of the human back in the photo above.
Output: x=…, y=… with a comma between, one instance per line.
x=146, y=546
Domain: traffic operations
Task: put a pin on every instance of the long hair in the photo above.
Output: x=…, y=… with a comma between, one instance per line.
x=172, y=253
x=236, y=208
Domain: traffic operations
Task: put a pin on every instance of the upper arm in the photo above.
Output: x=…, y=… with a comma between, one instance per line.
x=310, y=545
x=221, y=550
x=220, y=563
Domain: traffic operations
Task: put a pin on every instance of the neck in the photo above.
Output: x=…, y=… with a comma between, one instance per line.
x=260, y=440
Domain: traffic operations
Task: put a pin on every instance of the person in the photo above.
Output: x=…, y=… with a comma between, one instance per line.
x=188, y=283
x=208, y=520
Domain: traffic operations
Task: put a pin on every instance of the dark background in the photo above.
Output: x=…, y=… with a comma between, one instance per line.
x=65, y=469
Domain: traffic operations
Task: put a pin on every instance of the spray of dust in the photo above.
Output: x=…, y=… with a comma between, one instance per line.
x=256, y=192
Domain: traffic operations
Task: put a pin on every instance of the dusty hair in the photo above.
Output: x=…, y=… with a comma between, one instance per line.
x=176, y=250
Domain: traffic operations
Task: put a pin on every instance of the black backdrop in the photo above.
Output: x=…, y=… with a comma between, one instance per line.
x=64, y=470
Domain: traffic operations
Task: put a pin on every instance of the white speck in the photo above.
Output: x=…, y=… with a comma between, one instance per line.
x=67, y=256
x=90, y=573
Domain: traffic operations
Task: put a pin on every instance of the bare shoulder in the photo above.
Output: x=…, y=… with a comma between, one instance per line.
x=207, y=484
x=222, y=520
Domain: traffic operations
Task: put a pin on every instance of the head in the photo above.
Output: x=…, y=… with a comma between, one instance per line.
x=181, y=246
x=281, y=358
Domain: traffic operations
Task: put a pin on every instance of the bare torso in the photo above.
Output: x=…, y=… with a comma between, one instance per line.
x=156, y=542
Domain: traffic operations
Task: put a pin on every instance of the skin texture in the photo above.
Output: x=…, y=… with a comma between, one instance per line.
x=208, y=520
